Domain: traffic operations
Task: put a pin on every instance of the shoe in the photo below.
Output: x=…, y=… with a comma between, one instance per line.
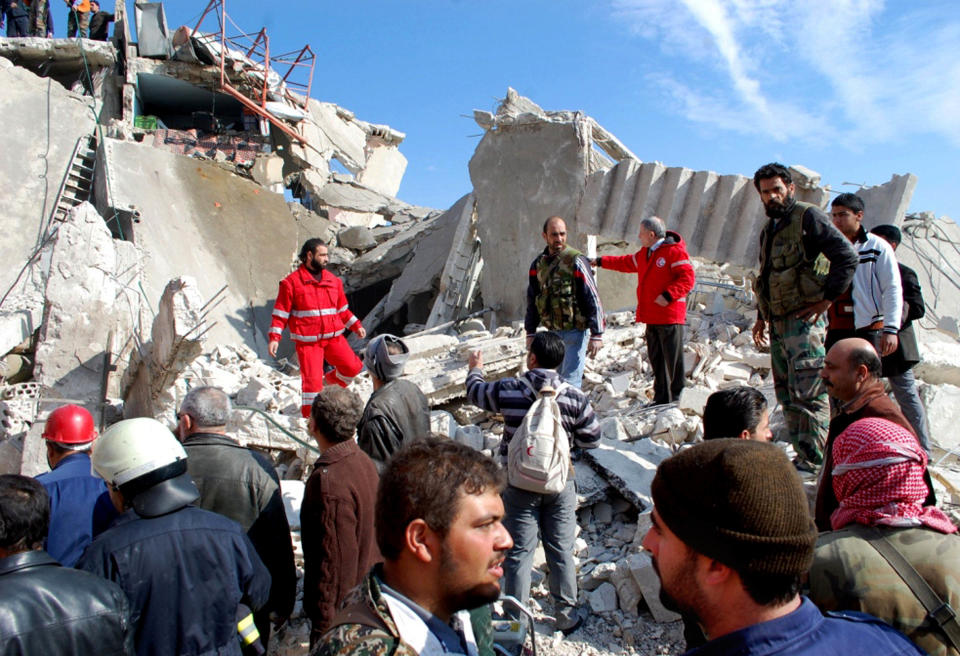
x=804, y=465
x=568, y=620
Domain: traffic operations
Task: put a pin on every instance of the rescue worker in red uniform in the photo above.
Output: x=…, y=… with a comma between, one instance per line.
x=312, y=300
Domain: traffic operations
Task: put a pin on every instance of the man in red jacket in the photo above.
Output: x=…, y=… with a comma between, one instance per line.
x=664, y=278
x=312, y=299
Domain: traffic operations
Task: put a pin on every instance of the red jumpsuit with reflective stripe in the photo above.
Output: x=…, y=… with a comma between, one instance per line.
x=317, y=314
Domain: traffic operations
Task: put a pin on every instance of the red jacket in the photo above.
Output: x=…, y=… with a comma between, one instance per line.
x=666, y=270
x=316, y=310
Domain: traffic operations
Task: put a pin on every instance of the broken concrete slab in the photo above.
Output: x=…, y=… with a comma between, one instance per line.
x=384, y=169
x=358, y=238
x=459, y=280
x=629, y=467
x=92, y=291
x=422, y=272
x=388, y=259
x=177, y=337
x=942, y=403
x=521, y=175
x=641, y=567
x=232, y=233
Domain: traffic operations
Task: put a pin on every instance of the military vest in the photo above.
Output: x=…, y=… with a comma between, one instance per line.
x=792, y=281
x=557, y=301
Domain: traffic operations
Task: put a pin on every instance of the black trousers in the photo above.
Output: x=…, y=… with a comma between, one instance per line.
x=665, y=350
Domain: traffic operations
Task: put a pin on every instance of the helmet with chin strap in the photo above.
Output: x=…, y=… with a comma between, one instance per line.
x=144, y=461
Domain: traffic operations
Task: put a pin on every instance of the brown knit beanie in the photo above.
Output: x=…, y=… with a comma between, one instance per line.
x=739, y=502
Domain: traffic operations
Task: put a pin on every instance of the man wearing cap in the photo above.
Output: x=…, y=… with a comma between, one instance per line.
x=878, y=480
x=185, y=570
x=397, y=410
x=79, y=504
x=731, y=539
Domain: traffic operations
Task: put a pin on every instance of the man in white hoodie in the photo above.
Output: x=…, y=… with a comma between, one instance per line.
x=871, y=307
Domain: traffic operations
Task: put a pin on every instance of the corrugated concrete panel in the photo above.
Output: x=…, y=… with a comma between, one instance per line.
x=227, y=230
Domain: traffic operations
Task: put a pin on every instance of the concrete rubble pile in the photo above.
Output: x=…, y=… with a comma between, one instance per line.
x=145, y=241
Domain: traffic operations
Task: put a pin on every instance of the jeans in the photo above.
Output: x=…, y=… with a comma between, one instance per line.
x=574, y=355
x=905, y=391
x=555, y=515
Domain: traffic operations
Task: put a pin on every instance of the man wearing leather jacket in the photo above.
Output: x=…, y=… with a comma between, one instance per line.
x=45, y=608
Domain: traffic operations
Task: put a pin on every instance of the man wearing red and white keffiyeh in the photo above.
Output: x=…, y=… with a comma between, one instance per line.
x=878, y=478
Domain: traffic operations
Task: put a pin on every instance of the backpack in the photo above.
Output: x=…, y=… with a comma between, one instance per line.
x=538, y=456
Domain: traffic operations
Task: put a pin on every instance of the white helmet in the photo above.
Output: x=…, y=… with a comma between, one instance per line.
x=134, y=447
x=143, y=459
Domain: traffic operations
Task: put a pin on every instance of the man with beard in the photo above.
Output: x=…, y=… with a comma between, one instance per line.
x=439, y=528
x=805, y=263
x=731, y=539
x=312, y=300
x=562, y=296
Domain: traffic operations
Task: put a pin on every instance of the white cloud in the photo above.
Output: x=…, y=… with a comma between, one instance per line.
x=816, y=69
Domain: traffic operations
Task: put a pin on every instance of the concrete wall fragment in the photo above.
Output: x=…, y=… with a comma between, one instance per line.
x=93, y=290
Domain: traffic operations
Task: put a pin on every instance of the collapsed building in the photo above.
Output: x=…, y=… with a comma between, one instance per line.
x=163, y=187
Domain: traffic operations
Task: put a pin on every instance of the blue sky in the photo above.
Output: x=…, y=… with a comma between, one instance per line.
x=856, y=90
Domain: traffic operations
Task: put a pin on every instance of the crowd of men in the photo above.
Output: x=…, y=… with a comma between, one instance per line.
x=34, y=18
x=149, y=540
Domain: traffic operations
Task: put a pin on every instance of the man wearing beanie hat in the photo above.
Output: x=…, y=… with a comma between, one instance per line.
x=397, y=410
x=731, y=539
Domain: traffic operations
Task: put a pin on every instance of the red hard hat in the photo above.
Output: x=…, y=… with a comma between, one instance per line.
x=70, y=424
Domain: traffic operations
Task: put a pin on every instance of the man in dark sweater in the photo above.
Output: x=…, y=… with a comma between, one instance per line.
x=397, y=411
x=851, y=373
x=336, y=518
x=99, y=22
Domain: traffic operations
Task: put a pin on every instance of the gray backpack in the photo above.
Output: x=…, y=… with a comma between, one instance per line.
x=538, y=456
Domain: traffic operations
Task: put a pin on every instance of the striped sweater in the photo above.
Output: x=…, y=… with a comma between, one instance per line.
x=512, y=399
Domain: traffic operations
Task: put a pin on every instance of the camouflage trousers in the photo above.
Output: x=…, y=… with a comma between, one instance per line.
x=796, y=355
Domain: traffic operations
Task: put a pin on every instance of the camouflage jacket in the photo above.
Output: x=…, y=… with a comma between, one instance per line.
x=365, y=627
x=849, y=574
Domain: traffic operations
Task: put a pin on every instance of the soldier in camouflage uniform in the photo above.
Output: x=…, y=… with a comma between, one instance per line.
x=562, y=296
x=848, y=573
x=438, y=524
x=805, y=263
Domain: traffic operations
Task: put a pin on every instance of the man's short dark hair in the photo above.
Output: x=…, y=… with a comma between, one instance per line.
x=729, y=412
x=24, y=513
x=851, y=201
x=772, y=170
x=310, y=246
x=549, y=219
x=336, y=411
x=425, y=480
x=770, y=589
x=548, y=348
x=889, y=232
x=866, y=356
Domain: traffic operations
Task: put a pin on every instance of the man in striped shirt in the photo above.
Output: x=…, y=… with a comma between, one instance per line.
x=554, y=515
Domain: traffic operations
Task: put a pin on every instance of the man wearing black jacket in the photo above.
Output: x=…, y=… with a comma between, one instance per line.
x=898, y=366
x=241, y=484
x=99, y=22
x=45, y=608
